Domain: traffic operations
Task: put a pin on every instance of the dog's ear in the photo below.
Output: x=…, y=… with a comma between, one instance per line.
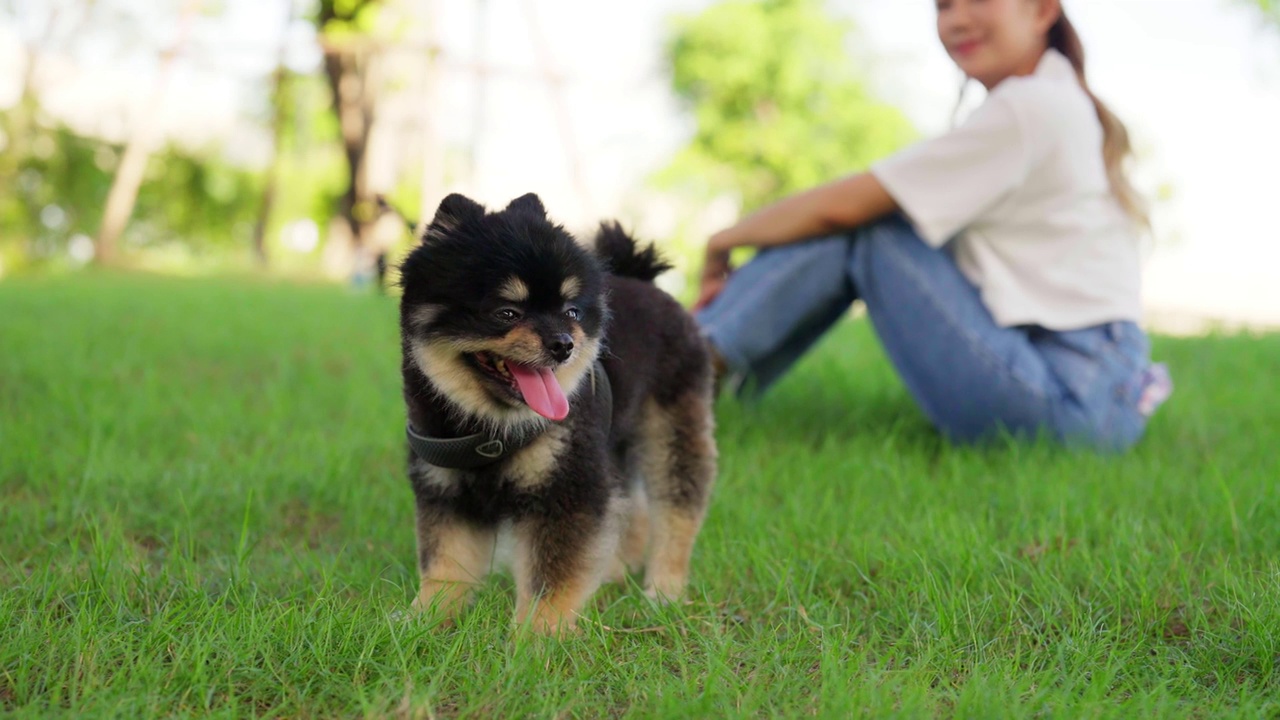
x=455, y=210
x=529, y=203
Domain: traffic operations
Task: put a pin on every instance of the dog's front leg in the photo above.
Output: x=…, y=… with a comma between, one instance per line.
x=454, y=556
x=559, y=565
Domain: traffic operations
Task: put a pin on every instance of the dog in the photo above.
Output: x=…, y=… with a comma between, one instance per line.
x=557, y=400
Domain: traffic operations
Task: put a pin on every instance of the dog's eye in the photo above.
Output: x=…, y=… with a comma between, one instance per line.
x=573, y=313
x=507, y=314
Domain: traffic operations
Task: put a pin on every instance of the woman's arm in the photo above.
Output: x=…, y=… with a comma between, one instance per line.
x=845, y=203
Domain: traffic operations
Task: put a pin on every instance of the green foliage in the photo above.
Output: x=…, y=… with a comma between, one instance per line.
x=1270, y=10
x=190, y=197
x=345, y=20
x=203, y=513
x=197, y=198
x=60, y=182
x=312, y=167
x=777, y=102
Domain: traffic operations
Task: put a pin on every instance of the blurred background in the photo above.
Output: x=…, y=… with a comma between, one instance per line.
x=233, y=136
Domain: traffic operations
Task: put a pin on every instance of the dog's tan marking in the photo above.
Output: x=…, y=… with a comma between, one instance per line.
x=458, y=560
x=678, y=459
x=442, y=478
x=423, y=315
x=556, y=611
x=514, y=290
x=580, y=363
x=531, y=467
x=635, y=538
x=444, y=366
x=667, y=571
x=442, y=363
x=521, y=344
x=570, y=288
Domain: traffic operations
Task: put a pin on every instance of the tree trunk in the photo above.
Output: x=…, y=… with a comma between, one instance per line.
x=280, y=98
x=264, y=212
x=124, y=187
x=432, y=155
x=348, y=72
x=19, y=121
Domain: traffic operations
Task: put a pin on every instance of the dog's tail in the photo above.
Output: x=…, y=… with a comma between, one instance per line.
x=623, y=256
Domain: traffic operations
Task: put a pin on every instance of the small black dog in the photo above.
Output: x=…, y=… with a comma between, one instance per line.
x=557, y=398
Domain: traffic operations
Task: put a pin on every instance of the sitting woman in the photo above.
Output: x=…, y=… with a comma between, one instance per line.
x=999, y=263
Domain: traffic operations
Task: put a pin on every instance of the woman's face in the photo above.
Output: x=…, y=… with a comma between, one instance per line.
x=991, y=40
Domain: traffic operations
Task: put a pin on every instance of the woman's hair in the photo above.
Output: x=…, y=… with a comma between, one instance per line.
x=1116, y=147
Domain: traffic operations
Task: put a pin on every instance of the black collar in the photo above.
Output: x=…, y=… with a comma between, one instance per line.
x=475, y=451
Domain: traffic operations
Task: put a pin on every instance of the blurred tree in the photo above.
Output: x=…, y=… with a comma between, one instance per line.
x=281, y=99
x=1270, y=10
x=19, y=128
x=351, y=50
x=187, y=198
x=776, y=99
x=16, y=123
x=192, y=202
x=123, y=194
x=312, y=164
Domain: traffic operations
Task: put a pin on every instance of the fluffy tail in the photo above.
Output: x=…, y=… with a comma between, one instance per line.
x=623, y=256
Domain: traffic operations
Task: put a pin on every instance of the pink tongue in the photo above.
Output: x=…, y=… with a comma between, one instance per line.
x=541, y=391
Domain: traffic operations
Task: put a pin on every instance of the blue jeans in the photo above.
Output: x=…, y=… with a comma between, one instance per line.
x=973, y=379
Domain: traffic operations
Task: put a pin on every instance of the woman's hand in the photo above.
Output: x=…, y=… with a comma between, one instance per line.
x=845, y=203
x=715, y=273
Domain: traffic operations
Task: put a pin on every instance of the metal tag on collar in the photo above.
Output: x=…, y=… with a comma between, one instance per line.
x=492, y=449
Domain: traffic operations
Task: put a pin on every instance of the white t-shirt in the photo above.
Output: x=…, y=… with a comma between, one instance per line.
x=1020, y=190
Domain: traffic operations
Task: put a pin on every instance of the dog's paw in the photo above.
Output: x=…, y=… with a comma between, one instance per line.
x=664, y=589
x=548, y=627
x=417, y=612
x=617, y=572
x=545, y=621
x=664, y=595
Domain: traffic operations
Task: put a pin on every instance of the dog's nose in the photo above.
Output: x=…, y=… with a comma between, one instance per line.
x=560, y=347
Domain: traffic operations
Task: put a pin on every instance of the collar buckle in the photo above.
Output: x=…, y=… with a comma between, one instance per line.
x=492, y=449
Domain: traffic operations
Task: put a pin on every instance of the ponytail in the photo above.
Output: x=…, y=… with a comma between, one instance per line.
x=1116, y=146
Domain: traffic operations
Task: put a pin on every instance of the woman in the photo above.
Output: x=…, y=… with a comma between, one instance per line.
x=999, y=263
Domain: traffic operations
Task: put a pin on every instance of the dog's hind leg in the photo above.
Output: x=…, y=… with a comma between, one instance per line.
x=635, y=536
x=634, y=526
x=678, y=460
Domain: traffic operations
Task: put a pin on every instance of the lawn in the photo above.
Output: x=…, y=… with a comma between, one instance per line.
x=203, y=514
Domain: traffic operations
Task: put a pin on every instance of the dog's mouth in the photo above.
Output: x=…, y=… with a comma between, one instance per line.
x=536, y=386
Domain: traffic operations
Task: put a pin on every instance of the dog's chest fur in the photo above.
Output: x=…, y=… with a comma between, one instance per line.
x=533, y=476
x=526, y=469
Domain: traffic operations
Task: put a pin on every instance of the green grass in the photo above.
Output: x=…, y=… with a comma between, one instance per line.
x=203, y=513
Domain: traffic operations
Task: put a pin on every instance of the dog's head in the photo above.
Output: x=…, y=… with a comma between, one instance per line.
x=502, y=311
